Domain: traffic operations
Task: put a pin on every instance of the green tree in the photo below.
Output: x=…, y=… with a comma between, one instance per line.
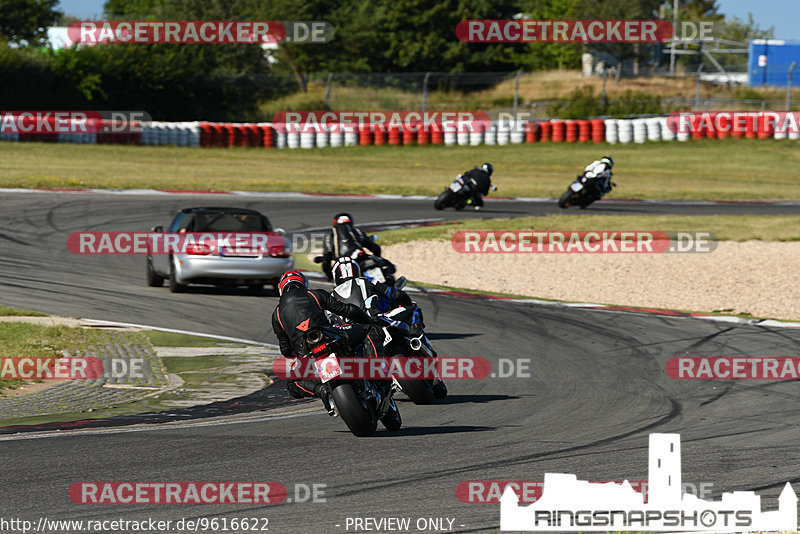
x=618, y=10
x=27, y=20
x=541, y=56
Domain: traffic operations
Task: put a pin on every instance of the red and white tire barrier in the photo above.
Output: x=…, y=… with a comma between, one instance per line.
x=710, y=125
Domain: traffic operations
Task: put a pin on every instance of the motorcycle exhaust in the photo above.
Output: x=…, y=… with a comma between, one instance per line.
x=415, y=343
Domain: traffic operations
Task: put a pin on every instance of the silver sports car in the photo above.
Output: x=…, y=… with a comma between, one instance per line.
x=234, y=247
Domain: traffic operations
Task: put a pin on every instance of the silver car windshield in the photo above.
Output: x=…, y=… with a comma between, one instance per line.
x=229, y=222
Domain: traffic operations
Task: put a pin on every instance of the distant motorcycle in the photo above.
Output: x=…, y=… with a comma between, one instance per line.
x=457, y=195
x=582, y=192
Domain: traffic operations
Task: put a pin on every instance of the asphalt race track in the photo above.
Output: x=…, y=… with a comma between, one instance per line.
x=597, y=385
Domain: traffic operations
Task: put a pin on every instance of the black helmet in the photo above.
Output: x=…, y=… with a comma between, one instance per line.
x=608, y=160
x=342, y=218
x=345, y=269
x=290, y=278
x=488, y=168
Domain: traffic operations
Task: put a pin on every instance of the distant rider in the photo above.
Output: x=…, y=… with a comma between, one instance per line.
x=480, y=182
x=301, y=309
x=599, y=172
x=343, y=240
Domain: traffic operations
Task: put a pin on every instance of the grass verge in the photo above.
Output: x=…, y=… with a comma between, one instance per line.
x=18, y=340
x=173, y=339
x=199, y=373
x=730, y=169
x=5, y=311
x=724, y=227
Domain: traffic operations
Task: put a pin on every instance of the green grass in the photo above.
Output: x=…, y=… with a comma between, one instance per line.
x=173, y=339
x=176, y=364
x=731, y=169
x=724, y=227
x=6, y=311
x=18, y=340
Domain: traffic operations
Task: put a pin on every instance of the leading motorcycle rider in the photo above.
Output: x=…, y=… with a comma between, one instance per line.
x=599, y=171
x=343, y=240
x=352, y=288
x=301, y=309
x=480, y=182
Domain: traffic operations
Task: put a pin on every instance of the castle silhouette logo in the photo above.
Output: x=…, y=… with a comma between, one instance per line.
x=568, y=504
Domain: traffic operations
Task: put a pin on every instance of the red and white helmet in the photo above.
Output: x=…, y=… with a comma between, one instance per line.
x=342, y=218
x=291, y=277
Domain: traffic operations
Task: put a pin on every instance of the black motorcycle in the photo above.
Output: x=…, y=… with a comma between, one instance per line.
x=414, y=352
x=457, y=195
x=361, y=402
x=582, y=192
x=417, y=354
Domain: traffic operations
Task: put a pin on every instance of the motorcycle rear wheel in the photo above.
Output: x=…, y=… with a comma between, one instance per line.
x=357, y=413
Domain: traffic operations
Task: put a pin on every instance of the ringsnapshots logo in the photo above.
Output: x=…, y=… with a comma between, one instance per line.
x=570, y=505
x=581, y=242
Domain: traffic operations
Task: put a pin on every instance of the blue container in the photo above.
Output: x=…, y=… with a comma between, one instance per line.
x=769, y=61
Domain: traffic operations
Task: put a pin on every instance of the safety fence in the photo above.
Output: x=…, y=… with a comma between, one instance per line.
x=206, y=134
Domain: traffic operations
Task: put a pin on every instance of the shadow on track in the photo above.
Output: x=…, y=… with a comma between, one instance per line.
x=261, y=400
x=474, y=399
x=451, y=336
x=227, y=291
x=432, y=430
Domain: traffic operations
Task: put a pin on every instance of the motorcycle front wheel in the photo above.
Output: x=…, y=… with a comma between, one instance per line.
x=443, y=200
x=564, y=201
x=392, y=420
x=356, y=412
x=419, y=391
